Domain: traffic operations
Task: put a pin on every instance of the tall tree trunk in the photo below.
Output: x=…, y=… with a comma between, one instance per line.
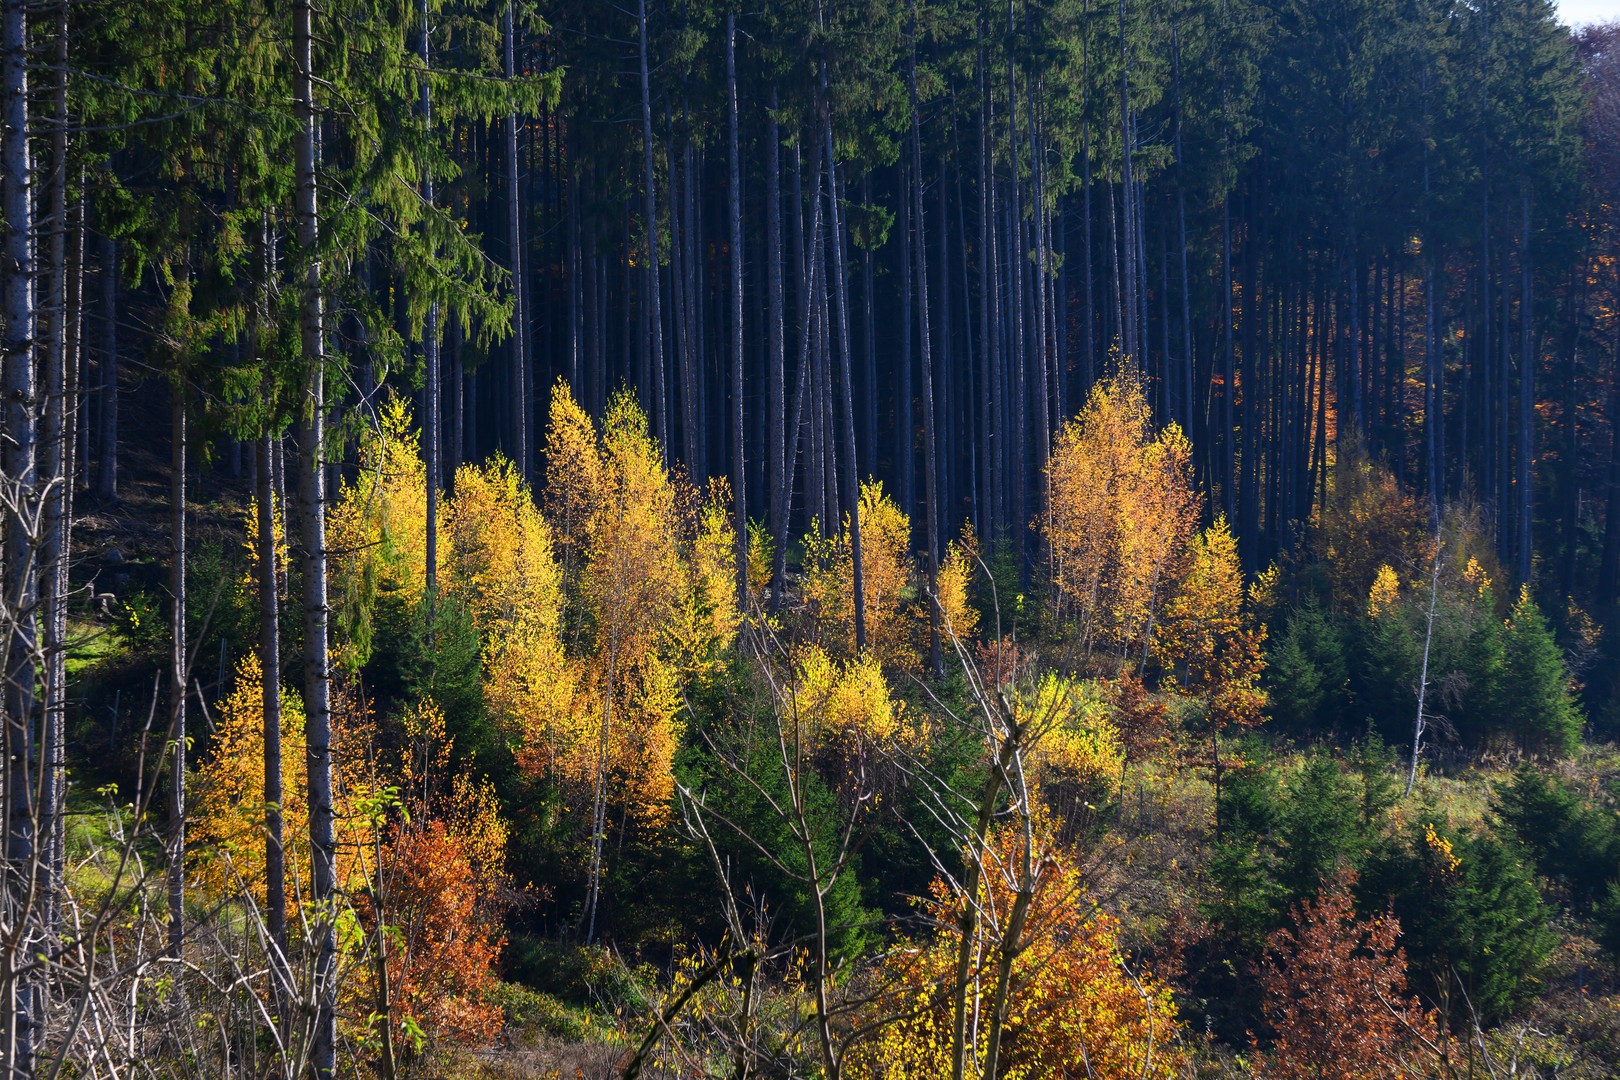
x=1609, y=567
x=776, y=433
x=432, y=385
x=521, y=453
x=58, y=474
x=275, y=865
x=905, y=464
x=1229, y=374
x=988, y=518
x=836, y=282
x=1186, y=417
x=739, y=475
x=312, y=456
x=1527, y=405
x=178, y=674
x=23, y=1017
x=651, y=316
x=930, y=451
x=107, y=441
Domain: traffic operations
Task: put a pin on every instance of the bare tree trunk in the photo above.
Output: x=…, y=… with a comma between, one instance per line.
x=432, y=384
x=1419, y=725
x=312, y=455
x=107, y=443
x=178, y=676
x=930, y=461
x=275, y=866
x=739, y=475
x=776, y=435
x=650, y=313
x=836, y=286
x=23, y=1017
x=514, y=237
x=59, y=476
x=1527, y=371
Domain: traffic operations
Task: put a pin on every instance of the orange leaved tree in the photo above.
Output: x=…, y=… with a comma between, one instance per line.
x=1336, y=998
x=433, y=906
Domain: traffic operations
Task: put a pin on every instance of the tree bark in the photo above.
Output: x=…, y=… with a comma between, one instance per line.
x=1527, y=405
x=650, y=312
x=23, y=1016
x=930, y=461
x=178, y=674
x=519, y=353
x=312, y=455
x=840, y=299
x=739, y=475
x=107, y=442
x=776, y=433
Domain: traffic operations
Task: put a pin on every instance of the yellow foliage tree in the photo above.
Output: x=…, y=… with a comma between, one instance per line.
x=956, y=573
x=1079, y=742
x=1073, y=1008
x=845, y=705
x=496, y=554
x=227, y=795
x=897, y=606
x=377, y=531
x=1122, y=509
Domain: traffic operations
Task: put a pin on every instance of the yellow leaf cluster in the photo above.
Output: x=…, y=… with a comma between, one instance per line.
x=897, y=607
x=1072, y=1008
x=377, y=530
x=1121, y=511
x=1386, y=590
x=1207, y=634
x=1078, y=738
x=496, y=554
x=845, y=703
x=227, y=797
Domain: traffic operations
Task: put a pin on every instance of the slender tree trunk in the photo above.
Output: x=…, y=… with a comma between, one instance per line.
x=739, y=475
x=1527, y=372
x=23, y=1017
x=776, y=434
x=432, y=390
x=930, y=451
x=988, y=519
x=107, y=443
x=178, y=675
x=521, y=455
x=651, y=315
x=905, y=464
x=836, y=282
x=275, y=891
x=1609, y=567
x=317, y=673
x=58, y=474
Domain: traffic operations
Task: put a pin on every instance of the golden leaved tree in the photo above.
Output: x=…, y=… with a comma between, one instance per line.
x=1074, y=1009
x=1123, y=507
x=896, y=600
x=647, y=564
x=376, y=532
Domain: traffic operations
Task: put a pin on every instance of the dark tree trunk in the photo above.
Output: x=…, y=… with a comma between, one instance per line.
x=776, y=434
x=739, y=475
x=930, y=461
x=520, y=308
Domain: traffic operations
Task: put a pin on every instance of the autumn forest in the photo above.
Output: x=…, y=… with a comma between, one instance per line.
x=880, y=539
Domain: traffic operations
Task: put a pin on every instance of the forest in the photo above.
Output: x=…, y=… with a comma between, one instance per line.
x=878, y=539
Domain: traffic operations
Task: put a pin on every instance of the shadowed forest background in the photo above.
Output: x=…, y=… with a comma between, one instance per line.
x=885, y=539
